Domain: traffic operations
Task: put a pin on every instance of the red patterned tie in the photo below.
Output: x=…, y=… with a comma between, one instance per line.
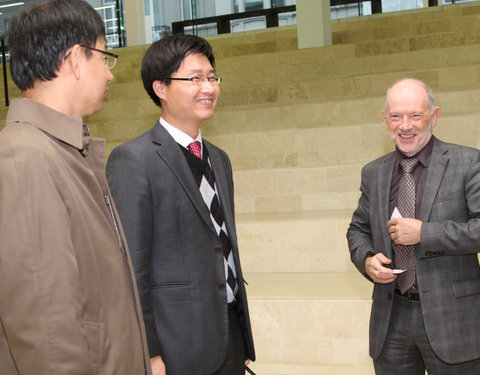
x=195, y=148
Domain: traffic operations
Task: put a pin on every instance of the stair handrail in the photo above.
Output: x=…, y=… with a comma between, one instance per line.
x=223, y=21
x=271, y=16
x=4, y=66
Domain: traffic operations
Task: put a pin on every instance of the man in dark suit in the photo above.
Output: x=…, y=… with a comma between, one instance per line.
x=174, y=193
x=427, y=317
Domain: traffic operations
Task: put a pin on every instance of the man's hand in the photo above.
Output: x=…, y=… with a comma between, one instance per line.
x=405, y=231
x=377, y=272
x=158, y=367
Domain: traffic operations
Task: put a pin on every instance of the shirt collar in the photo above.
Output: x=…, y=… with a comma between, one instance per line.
x=183, y=139
x=423, y=155
x=67, y=129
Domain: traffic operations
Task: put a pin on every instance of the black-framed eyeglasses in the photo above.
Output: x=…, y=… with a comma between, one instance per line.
x=199, y=80
x=110, y=57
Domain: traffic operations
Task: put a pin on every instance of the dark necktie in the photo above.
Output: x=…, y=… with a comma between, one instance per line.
x=404, y=254
x=206, y=184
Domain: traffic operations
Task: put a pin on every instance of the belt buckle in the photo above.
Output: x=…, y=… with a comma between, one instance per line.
x=411, y=297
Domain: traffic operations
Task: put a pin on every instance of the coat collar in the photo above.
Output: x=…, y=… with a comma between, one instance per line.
x=384, y=183
x=436, y=170
x=59, y=125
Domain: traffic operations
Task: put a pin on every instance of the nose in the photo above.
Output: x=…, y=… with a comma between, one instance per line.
x=206, y=85
x=406, y=122
x=109, y=76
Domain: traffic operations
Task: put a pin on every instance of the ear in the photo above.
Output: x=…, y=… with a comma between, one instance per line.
x=435, y=116
x=160, y=89
x=74, y=60
x=384, y=118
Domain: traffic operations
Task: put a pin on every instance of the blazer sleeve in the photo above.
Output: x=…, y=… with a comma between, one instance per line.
x=359, y=233
x=40, y=285
x=454, y=225
x=130, y=188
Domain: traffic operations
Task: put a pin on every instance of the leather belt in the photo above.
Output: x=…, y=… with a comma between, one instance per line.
x=411, y=297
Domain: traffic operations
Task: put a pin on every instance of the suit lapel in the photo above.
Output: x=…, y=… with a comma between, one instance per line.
x=384, y=182
x=170, y=152
x=436, y=170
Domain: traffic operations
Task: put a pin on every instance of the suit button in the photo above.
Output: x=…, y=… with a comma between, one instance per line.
x=218, y=249
x=221, y=286
x=389, y=295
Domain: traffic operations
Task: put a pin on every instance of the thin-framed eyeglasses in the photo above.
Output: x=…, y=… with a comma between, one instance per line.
x=199, y=80
x=397, y=117
x=110, y=57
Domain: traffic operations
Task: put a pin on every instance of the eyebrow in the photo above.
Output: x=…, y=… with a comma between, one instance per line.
x=199, y=71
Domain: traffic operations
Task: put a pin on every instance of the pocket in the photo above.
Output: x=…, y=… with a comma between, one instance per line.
x=94, y=332
x=171, y=285
x=172, y=307
x=466, y=287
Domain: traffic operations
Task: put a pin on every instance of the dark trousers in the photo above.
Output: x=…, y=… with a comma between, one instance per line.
x=235, y=360
x=407, y=350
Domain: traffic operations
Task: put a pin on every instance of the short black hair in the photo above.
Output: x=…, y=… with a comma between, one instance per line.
x=39, y=36
x=165, y=56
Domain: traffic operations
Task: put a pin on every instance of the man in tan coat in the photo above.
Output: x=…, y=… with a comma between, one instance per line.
x=68, y=301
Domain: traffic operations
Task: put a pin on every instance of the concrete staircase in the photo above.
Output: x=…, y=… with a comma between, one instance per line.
x=298, y=126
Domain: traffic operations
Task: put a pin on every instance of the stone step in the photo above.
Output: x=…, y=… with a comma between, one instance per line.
x=330, y=146
x=275, y=82
x=302, y=135
x=407, y=17
x=385, y=33
x=310, y=318
x=289, y=91
x=297, y=189
x=407, y=23
x=275, y=70
x=263, y=66
x=275, y=111
x=308, y=241
x=261, y=368
x=318, y=114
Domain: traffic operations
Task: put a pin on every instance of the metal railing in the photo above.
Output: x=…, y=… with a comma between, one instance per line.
x=4, y=67
x=223, y=21
x=270, y=14
x=376, y=5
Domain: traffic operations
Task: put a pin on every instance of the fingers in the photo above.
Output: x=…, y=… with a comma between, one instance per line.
x=374, y=267
x=405, y=231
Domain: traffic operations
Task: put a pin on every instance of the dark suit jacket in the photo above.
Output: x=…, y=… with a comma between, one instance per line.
x=448, y=272
x=176, y=252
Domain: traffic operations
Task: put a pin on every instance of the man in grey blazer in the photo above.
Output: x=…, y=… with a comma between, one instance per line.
x=435, y=324
x=174, y=194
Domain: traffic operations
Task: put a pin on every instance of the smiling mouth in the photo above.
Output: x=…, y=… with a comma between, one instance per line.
x=206, y=101
x=406, y=136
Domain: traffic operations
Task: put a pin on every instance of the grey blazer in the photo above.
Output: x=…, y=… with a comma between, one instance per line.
x=176, y=252
x=448, y=272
